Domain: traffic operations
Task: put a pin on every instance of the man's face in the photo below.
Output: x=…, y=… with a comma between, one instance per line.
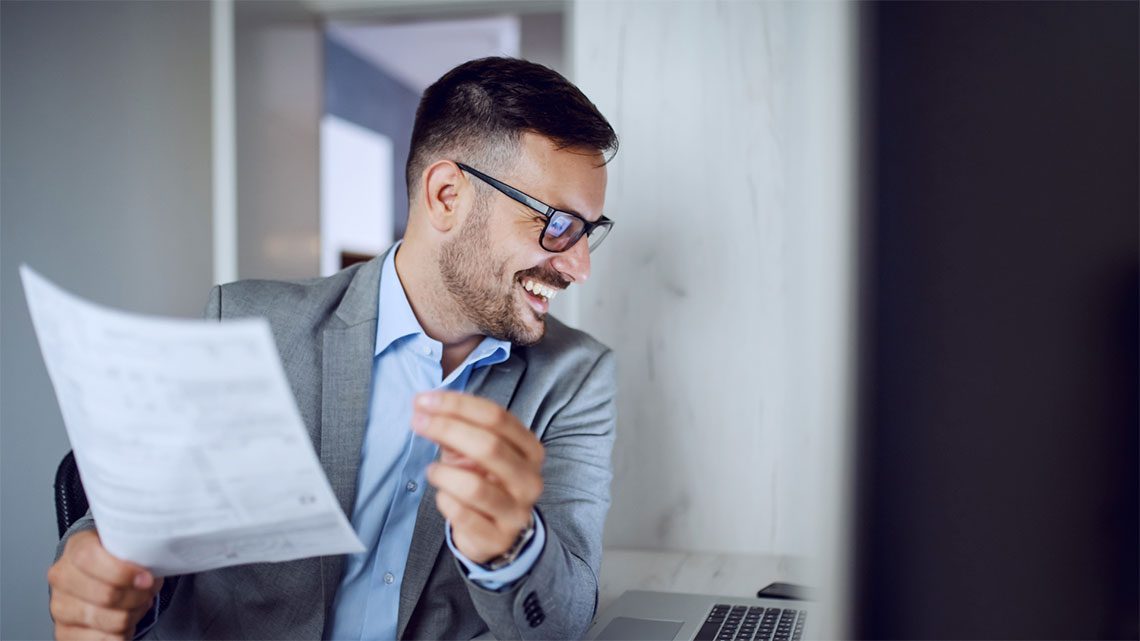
x=496, y=255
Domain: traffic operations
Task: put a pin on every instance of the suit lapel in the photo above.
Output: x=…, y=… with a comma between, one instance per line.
x=348, y=343
x=497, y=383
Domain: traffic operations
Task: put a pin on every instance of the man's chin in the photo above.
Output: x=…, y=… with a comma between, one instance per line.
x=523, y=330
x=532, y=334
x=531, y=330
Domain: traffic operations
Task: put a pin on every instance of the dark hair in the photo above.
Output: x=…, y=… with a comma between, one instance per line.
x=478, y=111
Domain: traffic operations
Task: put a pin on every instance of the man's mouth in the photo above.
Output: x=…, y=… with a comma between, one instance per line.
x=539, y=294
x=546, y=292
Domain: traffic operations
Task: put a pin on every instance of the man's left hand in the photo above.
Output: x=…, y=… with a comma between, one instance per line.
x=490, y=475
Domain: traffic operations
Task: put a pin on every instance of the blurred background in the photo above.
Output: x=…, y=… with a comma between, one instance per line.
x=873, y=283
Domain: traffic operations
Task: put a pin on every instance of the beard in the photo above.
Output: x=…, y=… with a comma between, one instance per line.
x=473, y=277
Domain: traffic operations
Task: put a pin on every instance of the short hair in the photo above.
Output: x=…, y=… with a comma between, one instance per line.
x=478, y=111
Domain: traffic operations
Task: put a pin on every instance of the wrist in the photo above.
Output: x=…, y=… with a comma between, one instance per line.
x=512, y=553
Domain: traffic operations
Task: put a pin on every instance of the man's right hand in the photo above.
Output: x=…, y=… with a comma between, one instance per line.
x=95, y=595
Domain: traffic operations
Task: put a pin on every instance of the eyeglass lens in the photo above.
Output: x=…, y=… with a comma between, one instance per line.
x=562, y=231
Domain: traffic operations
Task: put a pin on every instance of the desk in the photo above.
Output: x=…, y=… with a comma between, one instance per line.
x=725, y=574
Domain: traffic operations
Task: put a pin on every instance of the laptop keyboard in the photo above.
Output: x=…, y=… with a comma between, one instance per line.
x=743, y=623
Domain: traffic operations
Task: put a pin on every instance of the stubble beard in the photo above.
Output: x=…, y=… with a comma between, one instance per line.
x=472, y=275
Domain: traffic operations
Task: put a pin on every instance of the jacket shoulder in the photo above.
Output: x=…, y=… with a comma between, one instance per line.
x=296, y=300
x=563, y=345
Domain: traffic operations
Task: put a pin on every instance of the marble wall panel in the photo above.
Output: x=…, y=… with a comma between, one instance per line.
x=723, y=287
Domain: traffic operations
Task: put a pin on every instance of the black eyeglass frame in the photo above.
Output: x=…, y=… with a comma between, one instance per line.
x=547, y=211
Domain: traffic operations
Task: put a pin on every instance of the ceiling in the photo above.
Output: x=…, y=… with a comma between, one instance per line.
x=418, y=53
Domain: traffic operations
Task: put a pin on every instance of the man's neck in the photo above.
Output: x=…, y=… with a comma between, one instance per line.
x=440, y=317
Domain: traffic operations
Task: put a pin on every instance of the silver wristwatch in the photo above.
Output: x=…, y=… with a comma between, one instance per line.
x=508, y=557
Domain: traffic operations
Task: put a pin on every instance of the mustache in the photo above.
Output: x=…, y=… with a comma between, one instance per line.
x=550, y=278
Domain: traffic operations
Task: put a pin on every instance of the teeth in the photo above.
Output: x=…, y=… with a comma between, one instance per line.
x=539, y=289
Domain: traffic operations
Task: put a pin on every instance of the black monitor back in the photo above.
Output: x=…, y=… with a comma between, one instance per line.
x=997, y=424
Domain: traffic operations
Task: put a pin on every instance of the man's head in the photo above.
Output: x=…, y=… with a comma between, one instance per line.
x=524, y=125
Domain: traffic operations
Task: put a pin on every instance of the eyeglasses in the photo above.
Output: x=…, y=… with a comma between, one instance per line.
x=562, y=228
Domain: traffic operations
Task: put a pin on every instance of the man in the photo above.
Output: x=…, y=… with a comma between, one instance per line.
x=414, y=354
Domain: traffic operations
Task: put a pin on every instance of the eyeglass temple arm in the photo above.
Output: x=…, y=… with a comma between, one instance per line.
x=533, y=203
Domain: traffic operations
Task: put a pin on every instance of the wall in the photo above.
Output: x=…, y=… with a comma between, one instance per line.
x=364, y=93
x=277, y=47
x=106, y=190
x=723, y=286
x=542, y=39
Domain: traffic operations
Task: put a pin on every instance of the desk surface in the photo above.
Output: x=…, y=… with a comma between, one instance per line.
x=725, y=574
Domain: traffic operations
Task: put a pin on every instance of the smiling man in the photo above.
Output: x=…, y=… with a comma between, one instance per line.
x=466, y=432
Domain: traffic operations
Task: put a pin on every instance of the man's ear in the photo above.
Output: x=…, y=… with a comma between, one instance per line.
x=444, y=188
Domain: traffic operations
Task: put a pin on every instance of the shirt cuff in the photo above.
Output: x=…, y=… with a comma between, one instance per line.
x=505, y=576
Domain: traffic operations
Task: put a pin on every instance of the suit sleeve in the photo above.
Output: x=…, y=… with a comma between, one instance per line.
x=559, y=596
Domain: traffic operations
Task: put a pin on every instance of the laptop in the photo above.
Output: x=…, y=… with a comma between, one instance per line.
x=664, y=616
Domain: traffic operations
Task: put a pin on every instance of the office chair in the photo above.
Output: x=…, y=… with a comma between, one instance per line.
x=71, y=504
x=70, y=499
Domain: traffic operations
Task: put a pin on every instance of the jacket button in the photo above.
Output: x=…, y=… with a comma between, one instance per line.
x=533, y=610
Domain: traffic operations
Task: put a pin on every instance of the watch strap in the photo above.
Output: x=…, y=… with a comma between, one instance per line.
x=508, y=557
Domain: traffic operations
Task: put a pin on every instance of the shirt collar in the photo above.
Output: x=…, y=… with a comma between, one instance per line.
x=395, y=319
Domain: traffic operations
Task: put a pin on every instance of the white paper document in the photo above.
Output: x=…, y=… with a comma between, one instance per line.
x=189, y=443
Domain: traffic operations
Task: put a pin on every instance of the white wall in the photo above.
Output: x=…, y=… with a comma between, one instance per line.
x=419, y=52
x=723, y=286
x=106, y=189
x=356, y=197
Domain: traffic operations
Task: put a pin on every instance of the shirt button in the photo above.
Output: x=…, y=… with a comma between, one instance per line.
x=389, y=578
x=427, y=350
x=411, y=486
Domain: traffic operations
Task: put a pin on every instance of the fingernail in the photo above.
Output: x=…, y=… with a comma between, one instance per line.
x=143, y=580
x=427, y=400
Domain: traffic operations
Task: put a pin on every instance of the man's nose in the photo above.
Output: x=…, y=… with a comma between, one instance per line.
x=574, y=263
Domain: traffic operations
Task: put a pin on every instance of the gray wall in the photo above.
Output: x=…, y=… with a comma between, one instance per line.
x=277, y=50
x=105, y=118
x=542, y=39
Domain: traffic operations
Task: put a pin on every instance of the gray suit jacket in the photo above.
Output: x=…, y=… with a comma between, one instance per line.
x=563, y=388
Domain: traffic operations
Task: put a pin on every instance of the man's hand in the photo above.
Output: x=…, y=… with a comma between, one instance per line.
x=490, y=474
x=95, y=595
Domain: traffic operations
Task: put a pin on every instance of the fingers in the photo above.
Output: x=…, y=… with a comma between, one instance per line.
x=451, y=457
x=67, y=577
x=87, y=553
x=96, y=595
x=64, y=632
x=477, y=493
x=488, y=450
x=490, y=474
x=482, y=413
x=69, y=611
x=473, y=533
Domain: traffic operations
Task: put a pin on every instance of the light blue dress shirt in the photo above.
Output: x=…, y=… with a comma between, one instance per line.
x=393, y=461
